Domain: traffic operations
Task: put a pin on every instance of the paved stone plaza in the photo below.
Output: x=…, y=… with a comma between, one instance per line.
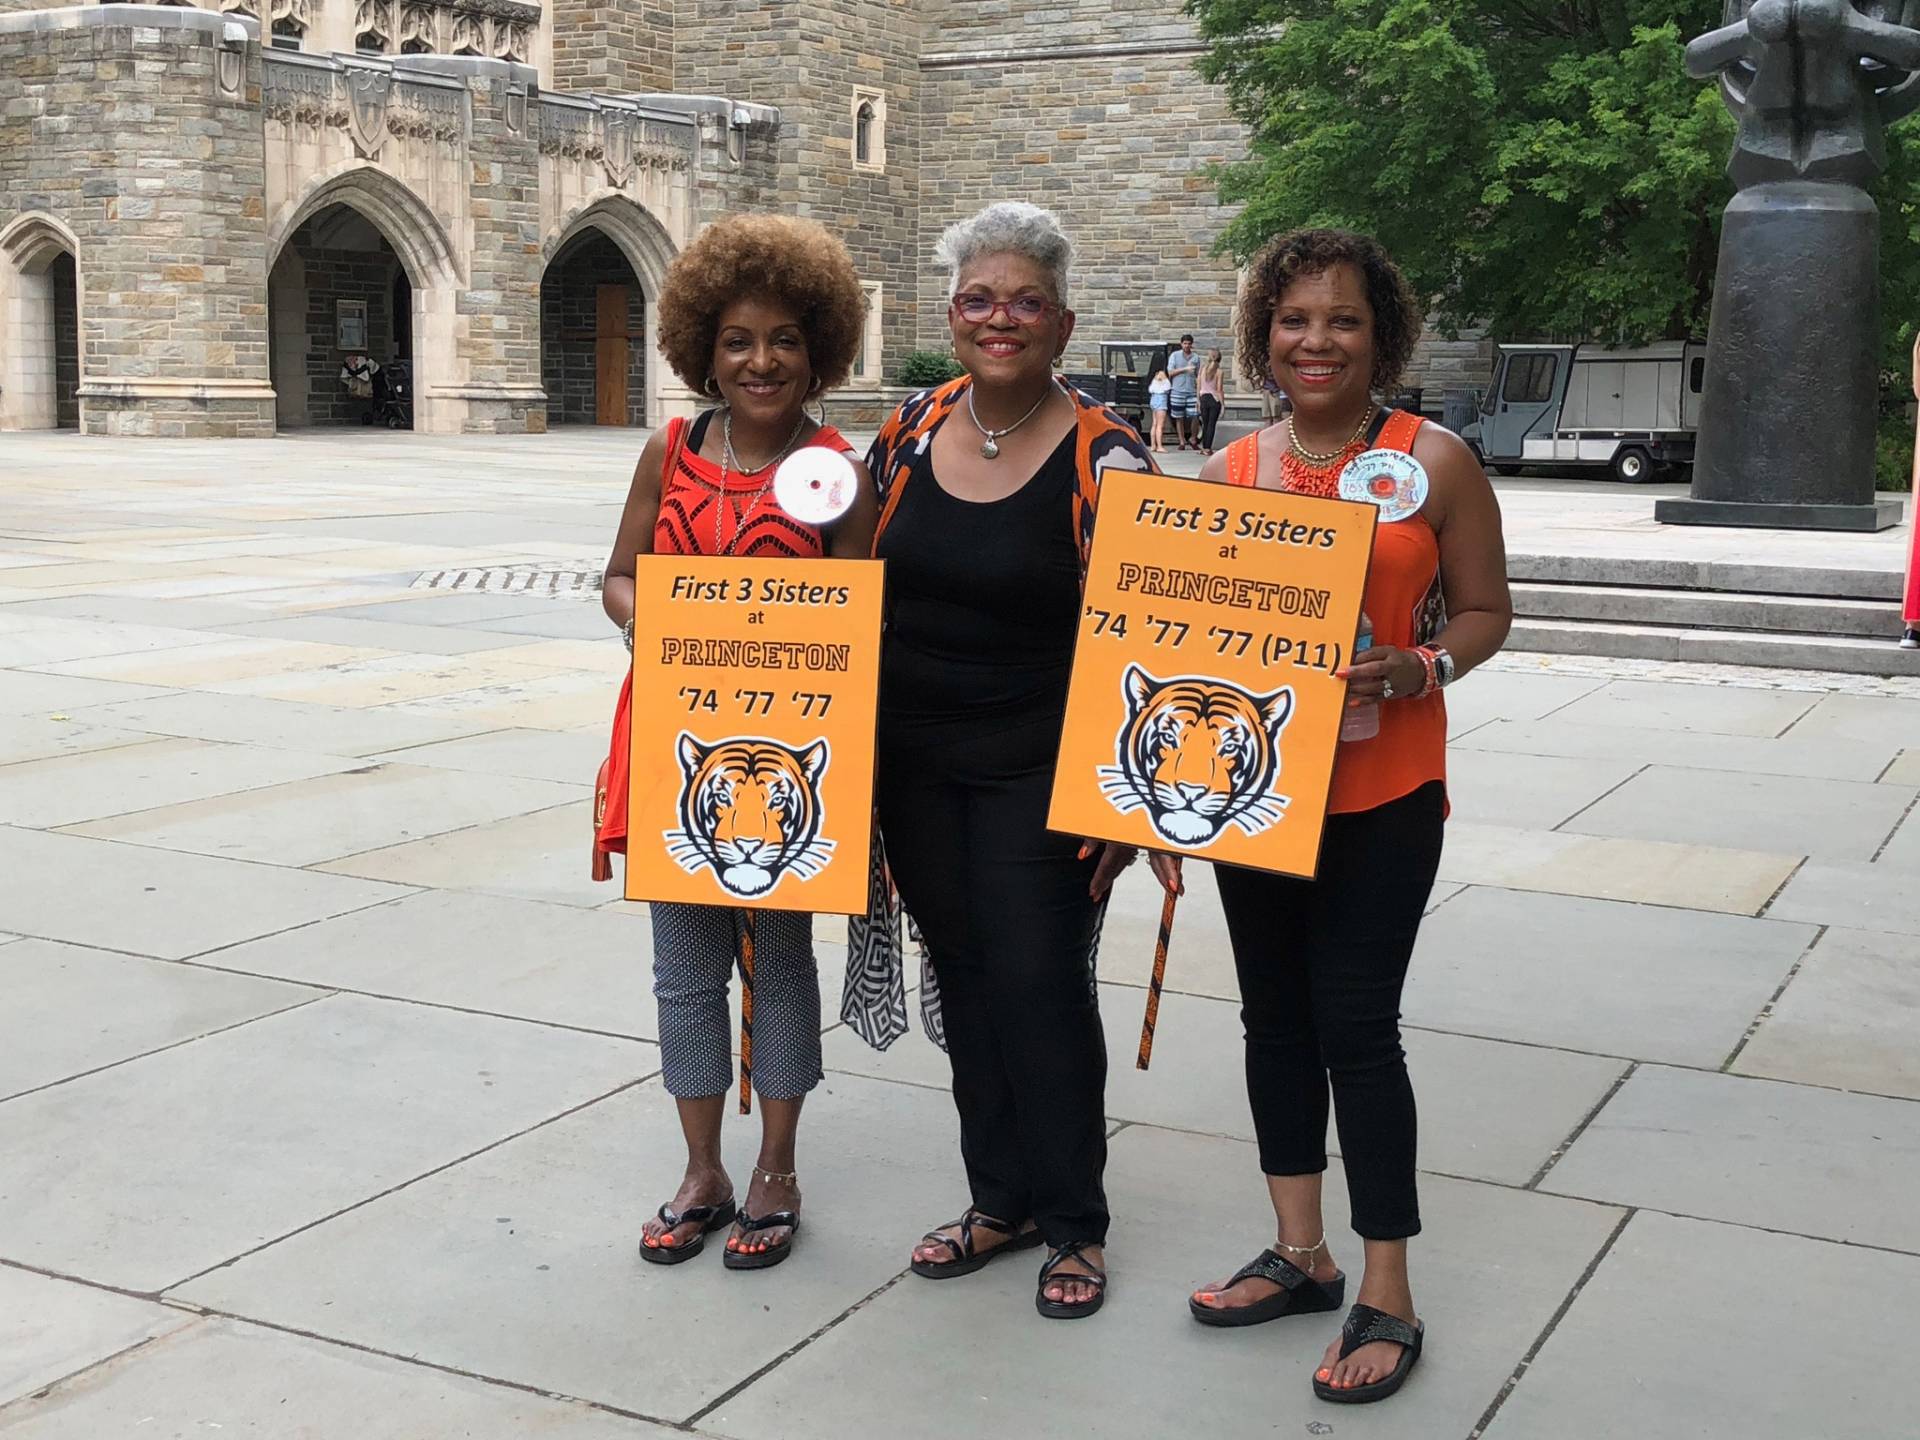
x=328, y=1097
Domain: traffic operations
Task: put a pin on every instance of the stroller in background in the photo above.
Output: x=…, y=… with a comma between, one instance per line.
x=393, y=396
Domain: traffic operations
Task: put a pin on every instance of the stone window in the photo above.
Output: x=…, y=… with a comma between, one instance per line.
x=867, y=364
x=373, y=27
x=288, y=34
x=418, y=30
x=869, y=130
x=371, y=42
x=469, y=35
x=415, y=47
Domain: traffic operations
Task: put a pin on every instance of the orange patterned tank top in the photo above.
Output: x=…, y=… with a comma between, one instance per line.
x=1403, y=601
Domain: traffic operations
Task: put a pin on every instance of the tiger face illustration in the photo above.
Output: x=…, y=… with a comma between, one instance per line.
x=750, y=811
x=1198, y=754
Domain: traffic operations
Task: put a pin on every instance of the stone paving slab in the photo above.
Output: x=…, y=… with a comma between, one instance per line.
x=1905, y=770
x=220, y=659
x=1142, y=1369
x=221, y=1377
x=1649, y=872
x=35, y=737
x=332, y=629
x=428, y=607
x=25, y=692
x=50, y=1329
x=1488, y=695
x=558, y=702
x=1529, y=791
x=281, y=724
x=1713, y=709
x=1849, y=721
x=368, y=808
x=1902, y=850
x=1754, y=1152
x=530, y=754
x=157, y=902
x=71, y=1009
x=559, y=621
x=382, y=681
x=1818, y=757
x=1866, y=897
x=1774, y=1324
x=1487, y=1110
x=144, y=1174
x=543, y=856
x=69, y=789
x=37, y=641
x=1850, y=1018
x=1787, y=815
x=559, y=964
x=522, y=1261
x=1636, y=980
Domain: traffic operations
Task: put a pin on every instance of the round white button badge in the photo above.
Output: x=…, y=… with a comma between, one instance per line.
x=1391, y=479
x=815, y=485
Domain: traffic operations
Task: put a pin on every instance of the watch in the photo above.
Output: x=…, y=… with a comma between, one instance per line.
x=1442, y=666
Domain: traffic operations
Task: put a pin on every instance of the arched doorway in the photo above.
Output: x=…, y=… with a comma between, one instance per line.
x=338, y=297
x=40, y=309
x=593, y=353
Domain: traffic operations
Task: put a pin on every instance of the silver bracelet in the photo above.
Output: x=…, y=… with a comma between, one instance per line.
x=626, y=634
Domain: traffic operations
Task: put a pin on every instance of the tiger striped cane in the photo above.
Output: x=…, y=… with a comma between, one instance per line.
x=1910, y=604
x=1159, y=974
x=743, y=931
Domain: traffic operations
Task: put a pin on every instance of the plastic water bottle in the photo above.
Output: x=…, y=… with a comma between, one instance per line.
x=1362, y=722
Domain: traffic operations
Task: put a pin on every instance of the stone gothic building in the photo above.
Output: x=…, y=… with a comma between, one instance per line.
x=205, y=211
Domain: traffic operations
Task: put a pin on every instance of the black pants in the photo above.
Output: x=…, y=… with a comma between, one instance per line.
x=1321, y=966
x=1009, y=926
x=1209, y=417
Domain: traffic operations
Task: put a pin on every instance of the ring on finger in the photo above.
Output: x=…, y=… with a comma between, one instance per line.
x=1386, y=689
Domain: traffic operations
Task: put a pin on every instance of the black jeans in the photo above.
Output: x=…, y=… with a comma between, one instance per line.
x=1009, y=926
x=1209, y=417
x=1321, y=966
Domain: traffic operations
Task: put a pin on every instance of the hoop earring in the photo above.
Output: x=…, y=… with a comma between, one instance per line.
x=712, y=387
x=813, y=387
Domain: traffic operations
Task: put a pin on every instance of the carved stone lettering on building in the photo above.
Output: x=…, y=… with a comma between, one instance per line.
x=297, y=94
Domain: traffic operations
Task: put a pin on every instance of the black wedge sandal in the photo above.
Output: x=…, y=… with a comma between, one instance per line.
x=708, y=1217
x=1070, y=1309
x=773, y=1255
x=1299, y=1294
x=1364, y=1326
x=966, y=1259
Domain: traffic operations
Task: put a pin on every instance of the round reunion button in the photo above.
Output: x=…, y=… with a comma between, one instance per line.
x=1391, y=479
x=815, y=485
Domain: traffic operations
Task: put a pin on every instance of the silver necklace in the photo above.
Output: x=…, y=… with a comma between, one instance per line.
x=730, y=462
x=989, y=447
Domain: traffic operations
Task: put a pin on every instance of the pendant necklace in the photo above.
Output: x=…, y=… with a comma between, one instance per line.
x=989, y=443
x=1306, y=472
x=730, y=462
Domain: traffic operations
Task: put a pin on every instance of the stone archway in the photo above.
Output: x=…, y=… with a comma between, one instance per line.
x=648, y=250
x=39, y=325
x=422, y=252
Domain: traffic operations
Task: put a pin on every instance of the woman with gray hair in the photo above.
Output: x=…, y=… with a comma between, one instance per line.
x=988, y=486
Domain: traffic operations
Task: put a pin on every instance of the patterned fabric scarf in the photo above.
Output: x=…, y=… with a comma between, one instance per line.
x=874, y=1005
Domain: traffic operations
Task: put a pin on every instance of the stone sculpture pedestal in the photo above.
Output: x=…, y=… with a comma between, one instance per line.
x=1791, y=380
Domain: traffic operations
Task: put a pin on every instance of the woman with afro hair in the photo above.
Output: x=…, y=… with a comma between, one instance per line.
x=761, y=314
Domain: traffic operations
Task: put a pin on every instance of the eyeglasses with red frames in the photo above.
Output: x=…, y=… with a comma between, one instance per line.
x=978, y=309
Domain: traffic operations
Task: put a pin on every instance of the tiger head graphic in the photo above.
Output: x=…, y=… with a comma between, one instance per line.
x=1198, y=754
x=750, y=811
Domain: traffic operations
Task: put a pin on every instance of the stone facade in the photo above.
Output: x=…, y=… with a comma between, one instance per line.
x=156, y=164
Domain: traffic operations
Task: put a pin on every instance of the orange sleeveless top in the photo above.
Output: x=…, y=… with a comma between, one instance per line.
x=1403, y=601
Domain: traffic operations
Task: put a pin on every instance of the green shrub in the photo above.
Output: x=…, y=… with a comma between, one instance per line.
x=1893, y=453
x=927, y=367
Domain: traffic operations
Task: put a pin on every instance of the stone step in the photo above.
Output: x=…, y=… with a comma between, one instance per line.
x=1815, y=579
x=1846, y=653
x=1712, y=609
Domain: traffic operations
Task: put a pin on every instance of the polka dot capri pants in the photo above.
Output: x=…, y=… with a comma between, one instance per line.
x=693, y=956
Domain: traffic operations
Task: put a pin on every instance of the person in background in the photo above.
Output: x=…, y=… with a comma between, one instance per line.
x=1157, y=389
x=1212, y=397
x=1183, y=403
x=1273, y=405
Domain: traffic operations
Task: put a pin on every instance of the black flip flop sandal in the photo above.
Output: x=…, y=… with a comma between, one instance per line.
x=1069, y=1309
x=768, y=1258
x=1299, y=1294
x=1364, y=1326
x=966, y=1259
x=708, y=1217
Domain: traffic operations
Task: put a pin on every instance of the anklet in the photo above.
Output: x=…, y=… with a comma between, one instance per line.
x=787, y=1175
x=1309, y=1251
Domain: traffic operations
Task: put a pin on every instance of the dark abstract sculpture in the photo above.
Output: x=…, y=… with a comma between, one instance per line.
x=1787, y=415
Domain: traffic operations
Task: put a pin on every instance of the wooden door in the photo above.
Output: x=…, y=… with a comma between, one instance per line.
x=612, y=349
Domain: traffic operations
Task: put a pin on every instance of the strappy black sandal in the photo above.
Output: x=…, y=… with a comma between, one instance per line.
x=1364, y=1326
x=966, y=1259
x=708, y=1217
x=1070, y=1309
x=771, y=1256
x=1299, y=1294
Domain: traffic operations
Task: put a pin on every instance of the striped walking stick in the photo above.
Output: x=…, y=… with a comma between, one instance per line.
x=1159, y=974
x=743, y=931
x=1910, y=605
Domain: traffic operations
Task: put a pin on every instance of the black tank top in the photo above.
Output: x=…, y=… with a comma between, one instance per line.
x=983, y=601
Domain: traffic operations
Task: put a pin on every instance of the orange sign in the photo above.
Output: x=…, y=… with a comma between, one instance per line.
x=754, y=689
x=1204, y=713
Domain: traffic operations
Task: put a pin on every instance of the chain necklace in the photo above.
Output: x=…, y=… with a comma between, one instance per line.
x=1295, y=447
x=730, y=462
x=989, y=446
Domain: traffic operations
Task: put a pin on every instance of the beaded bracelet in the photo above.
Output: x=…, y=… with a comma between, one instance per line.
x=1429, y=664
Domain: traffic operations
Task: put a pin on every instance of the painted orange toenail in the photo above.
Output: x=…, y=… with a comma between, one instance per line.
x=666, y=1240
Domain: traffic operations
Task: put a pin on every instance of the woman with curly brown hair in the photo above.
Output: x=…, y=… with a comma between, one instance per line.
x=761, y=313
x=1321, y=962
